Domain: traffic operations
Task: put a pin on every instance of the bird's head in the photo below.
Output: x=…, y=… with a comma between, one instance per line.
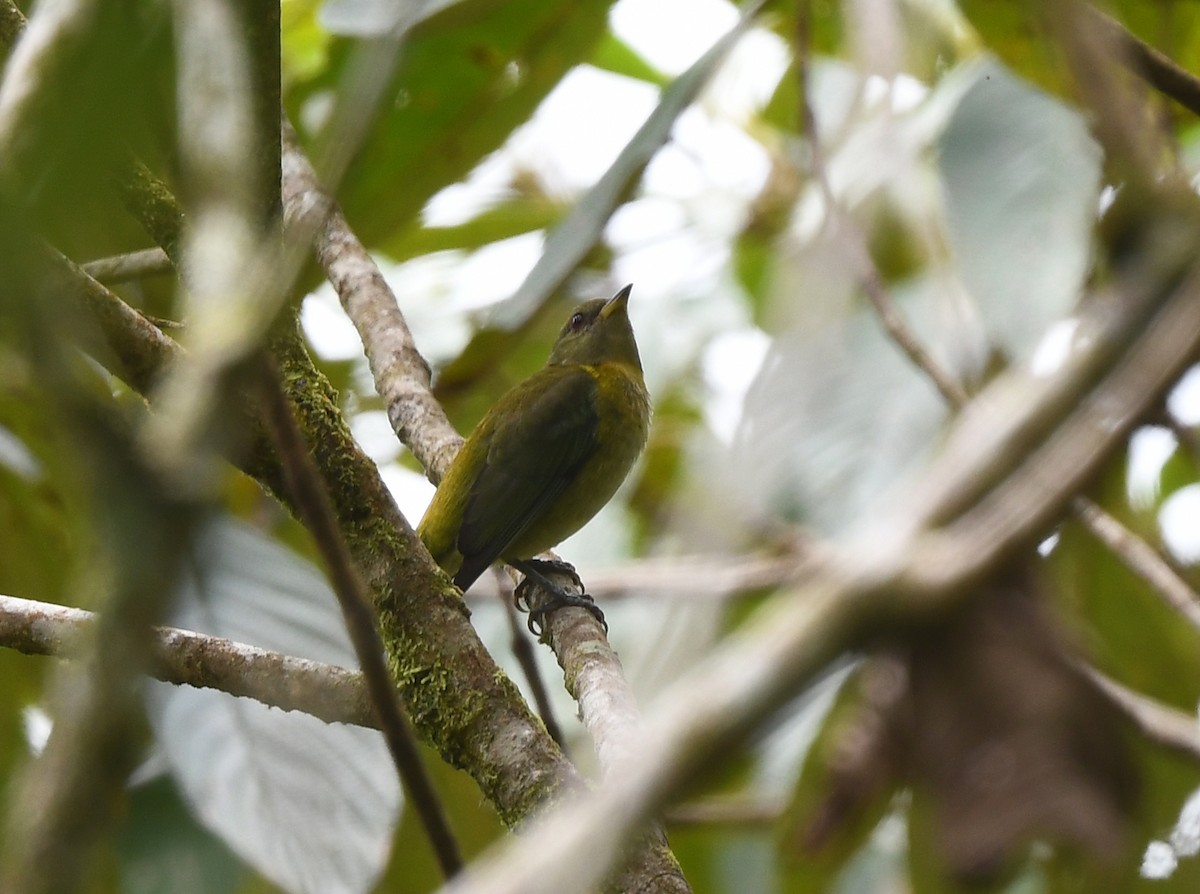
x=598, y=331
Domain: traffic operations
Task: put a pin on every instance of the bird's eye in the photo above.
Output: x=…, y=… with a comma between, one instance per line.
x=577, y=322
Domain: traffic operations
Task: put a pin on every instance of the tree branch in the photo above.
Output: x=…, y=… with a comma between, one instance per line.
x=1155, y=68
x=327, y=692
x=133, y=265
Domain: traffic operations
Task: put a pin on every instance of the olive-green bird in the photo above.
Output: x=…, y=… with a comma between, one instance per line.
x=548, y=455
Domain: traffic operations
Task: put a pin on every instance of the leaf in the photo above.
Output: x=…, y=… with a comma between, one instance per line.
x=312, y=806
x=1022, y=178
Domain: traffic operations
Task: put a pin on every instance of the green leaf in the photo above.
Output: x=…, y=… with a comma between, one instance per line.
x=614, y=55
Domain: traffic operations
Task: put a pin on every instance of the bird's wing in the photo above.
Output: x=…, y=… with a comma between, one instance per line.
x=546, y=431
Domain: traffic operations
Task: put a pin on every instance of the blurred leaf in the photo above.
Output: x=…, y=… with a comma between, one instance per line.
x=1022, y=180
x=493, y=361
x=376, y=18
x=304, y=44
x=502, y=221
x=311, y=805
x=613, y=54
x=1015, y=31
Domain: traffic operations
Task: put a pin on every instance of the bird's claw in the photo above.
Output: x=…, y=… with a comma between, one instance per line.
x=535, y=571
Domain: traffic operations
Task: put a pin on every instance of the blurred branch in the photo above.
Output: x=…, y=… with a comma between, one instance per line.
x=235, y=283
x=133, y=265
x=1140, y=558
x=1137, y=555
x=311, y=499
x=65, y=802
x=330, y=693
x=1155, y=68
x=45, y=46
x=1089, y=45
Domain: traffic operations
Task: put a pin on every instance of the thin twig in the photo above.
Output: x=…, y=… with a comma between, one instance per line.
x=328, y=692
x=1154, y=67
x=1160, y=724
x=315, y=510
x=729, y=810
x=1140, y=558
x=132, y=265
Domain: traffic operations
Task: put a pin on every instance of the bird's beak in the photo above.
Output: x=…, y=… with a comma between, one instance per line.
x=617, y=302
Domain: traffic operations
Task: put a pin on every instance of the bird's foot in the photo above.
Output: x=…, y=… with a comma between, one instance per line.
x=535, y=570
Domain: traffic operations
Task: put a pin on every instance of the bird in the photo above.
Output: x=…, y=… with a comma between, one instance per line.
x=547, y=456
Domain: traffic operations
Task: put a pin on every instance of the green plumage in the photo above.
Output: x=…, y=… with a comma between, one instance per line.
x=549, y=454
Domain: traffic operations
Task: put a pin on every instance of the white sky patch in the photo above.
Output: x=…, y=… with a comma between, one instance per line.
x=327, y=327
x=582, y=126
x=1159, y=860
x=1177, y=520
x=37, y=724
x=653, y=28
x=374, y=434
x=411, y=490
x=730, y=364
x=495, y=271
x=16, y=457
x=748, y=76
x=1048, y=545
x=1149, y=449
x=1184, y=400
x=485, y=186
x=1052, y=350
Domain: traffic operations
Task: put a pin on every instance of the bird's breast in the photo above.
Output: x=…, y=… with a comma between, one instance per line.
x=622, y=407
